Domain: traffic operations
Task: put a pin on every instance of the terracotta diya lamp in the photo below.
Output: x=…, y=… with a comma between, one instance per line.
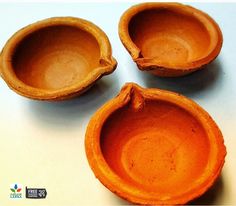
x=152, y=146
x=57, y=58
x=169, y=39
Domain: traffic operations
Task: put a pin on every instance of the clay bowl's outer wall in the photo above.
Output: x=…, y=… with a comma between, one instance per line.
x=125, y=160
x=168, y=24
x=50, y=60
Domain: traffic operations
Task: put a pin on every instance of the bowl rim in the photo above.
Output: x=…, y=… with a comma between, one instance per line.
x=150, y=64
x=115, y=183
x=107, y=62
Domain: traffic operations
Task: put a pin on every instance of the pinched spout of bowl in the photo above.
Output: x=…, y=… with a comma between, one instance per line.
x=137, y=100
x=147, y=63
x=109, y=63
x=133, y=95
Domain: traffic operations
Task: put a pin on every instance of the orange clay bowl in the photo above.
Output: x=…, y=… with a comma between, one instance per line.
x=169, y=39
x=151, y=146
x=57, y=58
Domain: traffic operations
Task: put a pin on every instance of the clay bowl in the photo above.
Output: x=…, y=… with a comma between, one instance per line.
x=169, y=39
x=57, y=58
x=151, y=146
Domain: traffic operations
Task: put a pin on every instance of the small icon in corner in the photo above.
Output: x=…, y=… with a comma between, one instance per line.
x=16, y=191
x=35, y=193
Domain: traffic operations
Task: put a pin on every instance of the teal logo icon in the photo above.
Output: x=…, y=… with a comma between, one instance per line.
x=16, y=191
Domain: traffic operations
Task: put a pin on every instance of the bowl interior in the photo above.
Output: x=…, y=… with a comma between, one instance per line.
x=169, y=35
x=55, y=57
x=161, y=149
